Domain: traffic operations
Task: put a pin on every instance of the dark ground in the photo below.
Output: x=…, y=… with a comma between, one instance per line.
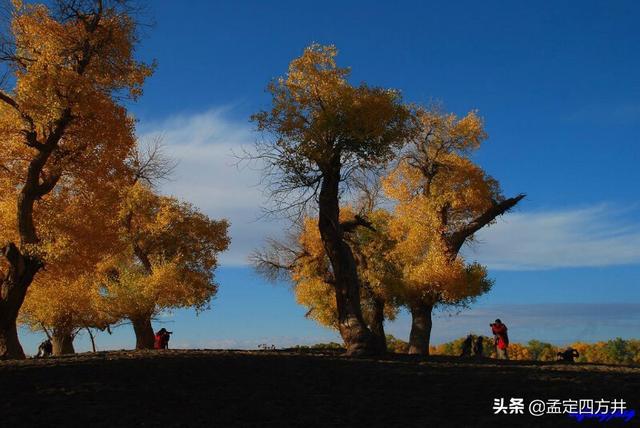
x=242, y=388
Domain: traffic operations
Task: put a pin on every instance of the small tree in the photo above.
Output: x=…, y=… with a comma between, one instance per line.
x=170, y=252
x=321, y=131
x=61, y=309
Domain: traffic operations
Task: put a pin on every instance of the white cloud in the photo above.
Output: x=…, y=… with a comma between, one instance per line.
x=590, y=237
x=208, y=175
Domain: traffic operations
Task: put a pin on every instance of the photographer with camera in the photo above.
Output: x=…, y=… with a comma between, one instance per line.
x=568, y=355
x=45, y=349
x=162, y=339
x=499, y=331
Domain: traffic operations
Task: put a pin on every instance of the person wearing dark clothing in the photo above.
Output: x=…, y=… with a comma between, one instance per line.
x=478, y=347
x=162, y=339
x=45, y=349
x=499, y=331
x=466, y=346
x=568, y=355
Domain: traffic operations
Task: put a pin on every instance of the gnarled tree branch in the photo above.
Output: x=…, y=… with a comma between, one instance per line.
x=456, y=239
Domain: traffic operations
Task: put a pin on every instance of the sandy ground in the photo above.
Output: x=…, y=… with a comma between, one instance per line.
x=179, y=388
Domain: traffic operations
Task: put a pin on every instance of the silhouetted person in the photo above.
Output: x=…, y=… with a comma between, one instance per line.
x=466, y=346
x=162, y=339
x=501, y=339
x=45, y=349
x=568, y=355
x=478, y=347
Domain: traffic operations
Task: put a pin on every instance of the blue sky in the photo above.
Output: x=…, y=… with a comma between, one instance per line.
x=558, y=84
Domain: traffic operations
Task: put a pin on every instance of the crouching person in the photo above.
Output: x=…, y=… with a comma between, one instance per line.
x=568, y=356
x=162, y=339
x=478, y=347
x=45, y=349
x=466, y=347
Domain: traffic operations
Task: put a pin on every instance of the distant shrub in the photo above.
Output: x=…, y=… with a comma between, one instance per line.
x=396, y=346
x=330, y=345
x=541, y=351
x=615, y=351
x=455, y=348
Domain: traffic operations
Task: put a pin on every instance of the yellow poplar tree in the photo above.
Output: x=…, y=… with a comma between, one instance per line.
x=442, y=198
x=168, y=261
x=62, y=309
x=319, y=132
x=61, y=124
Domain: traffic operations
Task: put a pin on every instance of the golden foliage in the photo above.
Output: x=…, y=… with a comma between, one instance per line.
x=65, y=143
x=312, y=275
x=64, y=306
x=325, y=126
x=77, y=233
x=615, y=351
x=169, y=257
x=69, y=76
x=437, y=188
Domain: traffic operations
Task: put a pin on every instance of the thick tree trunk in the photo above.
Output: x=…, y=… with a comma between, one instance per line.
x=23, y=267
x=377, y=326
x=62, y=343
x=357, y=337
x=13, y=289
x=10, y=347
x=420, y=335
x=144, y=332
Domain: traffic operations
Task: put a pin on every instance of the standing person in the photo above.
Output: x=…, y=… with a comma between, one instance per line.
x=162, y=339
x=478, y=347
x=466, y=346
x=502, y=339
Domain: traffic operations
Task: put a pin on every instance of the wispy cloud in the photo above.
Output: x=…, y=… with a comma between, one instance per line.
x=208, y=174
x=607, y=115
x=590, y=237
x=208, y=177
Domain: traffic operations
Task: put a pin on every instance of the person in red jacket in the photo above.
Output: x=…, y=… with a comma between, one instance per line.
x=502, y=339
x=162, y=339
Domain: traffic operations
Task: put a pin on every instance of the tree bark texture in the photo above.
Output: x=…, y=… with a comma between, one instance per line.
x=420, y=336
x=144, y=332
x=353, y=329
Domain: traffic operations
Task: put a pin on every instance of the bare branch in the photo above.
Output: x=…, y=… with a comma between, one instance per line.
x=351, y=225
x=277, y=259
x=456, y=239
x=46, y=331
x=151, y=165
